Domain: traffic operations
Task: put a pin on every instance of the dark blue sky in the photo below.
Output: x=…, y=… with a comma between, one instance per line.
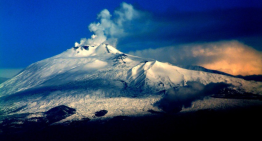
x=33, y=30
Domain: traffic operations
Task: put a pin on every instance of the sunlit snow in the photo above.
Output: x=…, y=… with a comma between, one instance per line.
x=93, y=78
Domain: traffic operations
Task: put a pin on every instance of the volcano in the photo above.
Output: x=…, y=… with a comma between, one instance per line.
x=96, y=82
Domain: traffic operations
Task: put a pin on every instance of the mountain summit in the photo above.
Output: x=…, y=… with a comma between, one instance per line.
x=94, y=78
x=85, y=51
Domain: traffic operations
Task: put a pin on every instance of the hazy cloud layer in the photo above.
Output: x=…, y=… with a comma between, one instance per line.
x=175, y=27
x=176, y=98
x=231, y=57
x=131, y=28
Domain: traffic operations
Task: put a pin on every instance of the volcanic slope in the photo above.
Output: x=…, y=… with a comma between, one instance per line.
x=94, y=78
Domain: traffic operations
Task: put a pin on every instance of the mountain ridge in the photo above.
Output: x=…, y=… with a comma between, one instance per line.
x=247, y=77
x=95, y=78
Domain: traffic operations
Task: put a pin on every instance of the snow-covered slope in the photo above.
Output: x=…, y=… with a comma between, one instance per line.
x=92, y=78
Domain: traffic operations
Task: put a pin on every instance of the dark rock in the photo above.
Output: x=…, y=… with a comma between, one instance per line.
x=155, y=112
x=101, y=113
x=15, y=123
x=251, y=77
x=58, y=113
x=120, y=118
x=81, y=122
x=86, y=47
x=205, y=111
x=119, y=59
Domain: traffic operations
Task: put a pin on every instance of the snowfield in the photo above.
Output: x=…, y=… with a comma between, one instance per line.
x=93, y=78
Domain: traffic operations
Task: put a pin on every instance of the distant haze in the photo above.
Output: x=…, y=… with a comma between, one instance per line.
x=9, y=72
x=231, y=57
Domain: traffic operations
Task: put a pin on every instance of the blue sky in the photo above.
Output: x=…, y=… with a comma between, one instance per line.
x=33, y=30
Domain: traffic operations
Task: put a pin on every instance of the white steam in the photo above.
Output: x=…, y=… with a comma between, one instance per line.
x=110, y=26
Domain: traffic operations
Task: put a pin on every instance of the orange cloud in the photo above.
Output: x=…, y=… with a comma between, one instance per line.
x=231, y=57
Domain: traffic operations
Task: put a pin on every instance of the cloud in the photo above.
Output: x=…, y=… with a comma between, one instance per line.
x=231, y=57
x=110, y=27
x=176, y=98
x=129, y=28
x=175, y=27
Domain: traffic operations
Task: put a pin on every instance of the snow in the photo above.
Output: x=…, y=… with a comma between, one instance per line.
x=35, y=115
x=167, y=71
x=93, y=78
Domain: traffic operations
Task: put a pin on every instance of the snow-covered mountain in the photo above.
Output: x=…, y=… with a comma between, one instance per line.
x=93, y=78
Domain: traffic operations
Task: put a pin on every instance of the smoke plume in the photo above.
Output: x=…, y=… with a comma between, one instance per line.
x=110, y=27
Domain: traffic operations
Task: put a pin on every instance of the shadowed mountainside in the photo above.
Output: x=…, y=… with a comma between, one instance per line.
x=160, y=126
